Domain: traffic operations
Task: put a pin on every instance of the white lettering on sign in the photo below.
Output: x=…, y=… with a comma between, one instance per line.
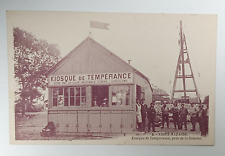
x=81, y=79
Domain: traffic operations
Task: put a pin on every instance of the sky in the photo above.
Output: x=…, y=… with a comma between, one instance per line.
x=150, y=41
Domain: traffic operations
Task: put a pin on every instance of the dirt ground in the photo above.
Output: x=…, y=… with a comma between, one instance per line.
x=28, y=127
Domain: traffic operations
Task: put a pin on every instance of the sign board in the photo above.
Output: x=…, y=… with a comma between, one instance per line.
x=84, y=79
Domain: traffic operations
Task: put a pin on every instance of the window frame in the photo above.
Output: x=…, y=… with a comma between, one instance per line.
x=130, y=96
x=92, y=95
x=82, y=95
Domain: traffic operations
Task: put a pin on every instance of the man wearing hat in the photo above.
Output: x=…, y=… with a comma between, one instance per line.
x=105, y=103
x=151, y=118
x=183, y=116
x=143, y=114
x=165, y=115
x=193, y=114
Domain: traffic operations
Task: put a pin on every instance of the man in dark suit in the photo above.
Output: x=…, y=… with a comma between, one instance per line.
x=143, y=114
x=165, y=116
x=201, y=120
x=151, y=118
x=183, y=116
x=193, y=114
x=175, y=112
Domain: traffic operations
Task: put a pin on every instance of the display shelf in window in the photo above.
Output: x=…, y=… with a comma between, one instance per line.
x=120, y=95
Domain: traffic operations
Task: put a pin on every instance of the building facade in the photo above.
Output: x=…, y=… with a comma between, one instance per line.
x=93, y=90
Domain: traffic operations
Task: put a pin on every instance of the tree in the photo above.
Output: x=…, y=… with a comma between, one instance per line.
x=32, y=59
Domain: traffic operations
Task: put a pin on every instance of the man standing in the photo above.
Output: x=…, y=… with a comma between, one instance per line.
x=193, y=114
x=165, y=116
x=183, y=116
x=201, y=120
x=207, y=119
x=151, y=118
x=143, y=114
x=175, y=112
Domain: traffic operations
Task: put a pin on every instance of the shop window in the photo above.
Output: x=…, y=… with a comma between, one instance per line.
x=100, y=96
x=73, y=96
x=140, y=93
x=121, y=95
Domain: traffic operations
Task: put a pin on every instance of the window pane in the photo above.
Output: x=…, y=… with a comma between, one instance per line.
x=60, y=91
x=66, y=91
x=71, y=91
x=71, y=101
x=65, y=101
x=55, y=92
x=77, y=91
x=83, y=91
x=77, y=101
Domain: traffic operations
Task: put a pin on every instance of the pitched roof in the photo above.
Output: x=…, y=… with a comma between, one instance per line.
x=85, y=42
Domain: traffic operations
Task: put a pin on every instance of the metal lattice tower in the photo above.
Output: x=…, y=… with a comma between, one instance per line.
x=180, y=73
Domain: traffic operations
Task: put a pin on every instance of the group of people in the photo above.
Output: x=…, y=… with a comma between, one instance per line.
x=143, y=113
x=179, y=117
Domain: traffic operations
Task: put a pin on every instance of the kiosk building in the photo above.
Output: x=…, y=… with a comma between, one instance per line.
x=93, y=90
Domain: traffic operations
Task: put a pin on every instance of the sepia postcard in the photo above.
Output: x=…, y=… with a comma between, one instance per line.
x=111, y=78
